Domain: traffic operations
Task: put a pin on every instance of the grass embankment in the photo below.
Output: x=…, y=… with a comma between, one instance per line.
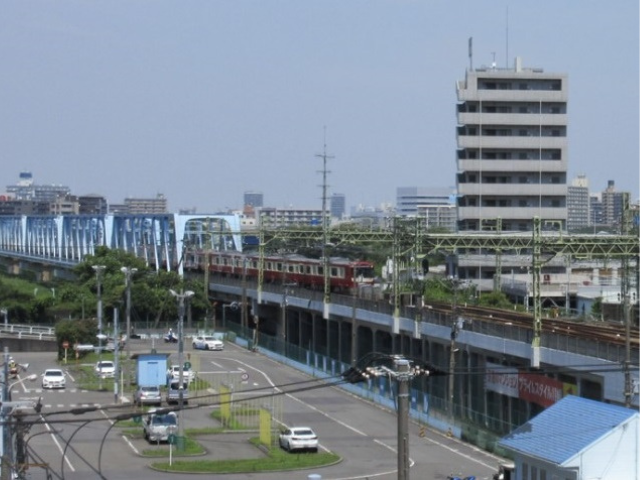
x=276, y=459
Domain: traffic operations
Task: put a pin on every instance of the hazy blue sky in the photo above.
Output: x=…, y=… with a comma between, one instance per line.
x=203, y=100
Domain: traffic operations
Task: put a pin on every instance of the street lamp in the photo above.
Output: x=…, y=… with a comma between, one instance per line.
x=181, y=300
x=99, y=269
x=128, y=272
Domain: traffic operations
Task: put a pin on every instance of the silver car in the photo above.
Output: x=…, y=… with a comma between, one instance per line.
x=147, y=395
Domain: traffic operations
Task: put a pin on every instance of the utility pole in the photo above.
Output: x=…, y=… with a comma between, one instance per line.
x=325, y=232
x=99, y=269
x=403, y=371
x=116, y=356
x=6, y=457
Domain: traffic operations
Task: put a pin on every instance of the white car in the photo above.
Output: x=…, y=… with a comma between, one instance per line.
x=53, y=378
x=208, y=342
x=105, y=369
x=173, y=374
x=298, y=438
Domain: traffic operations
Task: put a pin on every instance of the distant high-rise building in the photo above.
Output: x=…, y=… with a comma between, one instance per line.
x=409, y=200
x=254, y=199
x=25, y=189
x=613, y=204
x=338, y=205
x=512, y=147
x=147, y=205
x=578, y=204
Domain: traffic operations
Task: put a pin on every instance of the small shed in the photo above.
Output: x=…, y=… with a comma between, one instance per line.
x=151, y=368
x=577, y=439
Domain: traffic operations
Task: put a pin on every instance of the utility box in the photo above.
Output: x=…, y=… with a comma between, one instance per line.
x=151, y=368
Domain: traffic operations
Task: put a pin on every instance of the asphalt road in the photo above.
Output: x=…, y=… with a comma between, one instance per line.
x=363, y=434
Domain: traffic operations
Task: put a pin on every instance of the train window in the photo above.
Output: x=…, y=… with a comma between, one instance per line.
x=268, y=266
x=308, y=269
x=279, y=266
x=292, y=269
x=320, y=271
x=254, y=264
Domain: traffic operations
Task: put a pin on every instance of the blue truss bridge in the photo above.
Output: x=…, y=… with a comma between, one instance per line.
x=160, y=239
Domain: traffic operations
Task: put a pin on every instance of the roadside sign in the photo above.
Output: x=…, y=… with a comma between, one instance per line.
x=244, y=376
x=171, y=439
x=65, y=344
x=187, y=365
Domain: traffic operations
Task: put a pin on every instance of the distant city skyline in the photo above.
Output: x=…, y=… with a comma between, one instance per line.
x=209, y=100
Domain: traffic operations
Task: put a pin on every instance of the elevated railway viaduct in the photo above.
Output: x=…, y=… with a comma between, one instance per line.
x=503, y=372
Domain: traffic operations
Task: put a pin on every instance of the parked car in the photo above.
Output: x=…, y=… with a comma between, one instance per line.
x=105, y=369
x=53, y=378
x=173, y=373
x=298, y=438
x=207, y=342
x=158, y=426
x=173, y=392
x=147, y=395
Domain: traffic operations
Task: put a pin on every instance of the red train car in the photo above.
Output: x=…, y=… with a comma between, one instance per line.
x=345, y=275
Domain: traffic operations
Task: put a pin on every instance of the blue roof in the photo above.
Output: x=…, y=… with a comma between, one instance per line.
x=565, y=429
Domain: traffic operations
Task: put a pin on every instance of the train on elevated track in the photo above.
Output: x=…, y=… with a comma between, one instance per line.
x=344, y=275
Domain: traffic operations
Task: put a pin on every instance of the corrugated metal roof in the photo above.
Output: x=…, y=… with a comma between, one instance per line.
x=566, y=428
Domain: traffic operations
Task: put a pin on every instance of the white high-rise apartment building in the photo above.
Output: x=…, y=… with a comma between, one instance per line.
x=512, y=148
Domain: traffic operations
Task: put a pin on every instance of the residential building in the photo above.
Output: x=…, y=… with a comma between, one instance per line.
x=286, y=217
x=613, y=205
x=578, y=210
x=67, y=205
x=512, y=147
x=25, y=189
x=511, y=157
x=93, y=204
x=147, y=205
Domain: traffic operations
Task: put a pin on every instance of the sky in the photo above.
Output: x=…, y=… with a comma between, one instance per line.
x=203, y=100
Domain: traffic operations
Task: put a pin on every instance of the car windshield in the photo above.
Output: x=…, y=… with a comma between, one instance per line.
x=302, y=432
x=150, y=389
x=165, y=420
x=105, y=364
x=53, y=373
x=209, y=339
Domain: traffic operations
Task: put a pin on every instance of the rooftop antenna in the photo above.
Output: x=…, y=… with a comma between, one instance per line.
x=507, y=40
x=470, y=53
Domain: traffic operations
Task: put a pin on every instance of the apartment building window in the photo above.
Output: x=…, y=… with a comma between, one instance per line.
x=522, y=203
x=522, y=155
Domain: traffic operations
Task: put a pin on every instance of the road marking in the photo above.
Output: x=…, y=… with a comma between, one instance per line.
x=131, y=445
x=55, y=440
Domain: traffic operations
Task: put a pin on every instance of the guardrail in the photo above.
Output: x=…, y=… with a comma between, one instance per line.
x=28, y=331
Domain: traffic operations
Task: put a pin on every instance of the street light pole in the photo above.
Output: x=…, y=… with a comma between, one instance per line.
x=181, y=300
x=99, y=269
x=128, y=272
